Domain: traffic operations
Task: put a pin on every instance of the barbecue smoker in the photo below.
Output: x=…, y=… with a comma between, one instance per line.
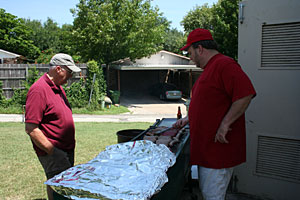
x=179, y=173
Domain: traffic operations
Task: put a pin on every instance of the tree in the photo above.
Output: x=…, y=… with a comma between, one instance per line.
x=52, y=39
x=68, y=44
x=109, y=30
x=47, y=35
x=174, y=41
x=221, y=19
x=225, y=26
x=15, y=36
x=199, y=17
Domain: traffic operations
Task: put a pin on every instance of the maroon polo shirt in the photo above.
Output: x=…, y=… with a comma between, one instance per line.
x=47, y=106
x=221, y=83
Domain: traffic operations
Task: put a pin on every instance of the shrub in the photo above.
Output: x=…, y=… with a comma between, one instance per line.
x=96, y=87
x=2, y=97
x=77, y=94
x=45, y=56
x=19, y=96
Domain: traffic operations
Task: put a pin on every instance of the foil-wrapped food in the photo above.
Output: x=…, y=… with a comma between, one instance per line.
x=131, y=170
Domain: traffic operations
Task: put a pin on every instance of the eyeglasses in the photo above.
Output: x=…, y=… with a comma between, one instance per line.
x=67, y=69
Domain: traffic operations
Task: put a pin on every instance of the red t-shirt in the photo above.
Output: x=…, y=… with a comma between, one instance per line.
x=47, y=106
x=221, y=83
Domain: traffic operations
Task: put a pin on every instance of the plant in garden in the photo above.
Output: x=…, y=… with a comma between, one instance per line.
x=45, y=56
x=2, y=97
x=96, y=87
x=19, y=97
x=77, y=94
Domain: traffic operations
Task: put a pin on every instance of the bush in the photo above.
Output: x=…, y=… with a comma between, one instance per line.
x=78, y=93
x=2, y=97
x=96, y=87
x=19, y=96
x=88, y=93
x=45, y=56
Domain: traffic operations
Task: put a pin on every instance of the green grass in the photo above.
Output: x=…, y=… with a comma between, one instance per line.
x=22, y=176
x=11, y=110
x=113, y=110
x=106, y=111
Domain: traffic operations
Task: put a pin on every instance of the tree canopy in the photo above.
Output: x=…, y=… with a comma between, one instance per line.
x=174, y=41
x=109, y=30
x=15, y=36
x=221, y=19
x=50, y=36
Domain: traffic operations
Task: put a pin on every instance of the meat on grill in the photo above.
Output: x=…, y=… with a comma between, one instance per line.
x=156, y=130
x=168, y=138
x=150, y=138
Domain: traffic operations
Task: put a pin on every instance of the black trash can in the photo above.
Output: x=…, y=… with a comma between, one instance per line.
x=128, y=134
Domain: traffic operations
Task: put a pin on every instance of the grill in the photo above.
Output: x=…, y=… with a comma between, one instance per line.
x=179, y=173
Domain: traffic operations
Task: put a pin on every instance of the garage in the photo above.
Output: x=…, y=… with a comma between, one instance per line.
x=137, y=78
x=138, y=81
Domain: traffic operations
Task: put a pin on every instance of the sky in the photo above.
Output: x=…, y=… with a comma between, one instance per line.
x=59, y=10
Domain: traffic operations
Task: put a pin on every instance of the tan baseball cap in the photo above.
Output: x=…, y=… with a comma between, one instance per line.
x=63, y=59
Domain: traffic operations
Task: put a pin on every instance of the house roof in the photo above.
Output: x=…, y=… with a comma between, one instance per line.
x=174, y=54
x=156, y=67
x=163, y=60
x=9, y=53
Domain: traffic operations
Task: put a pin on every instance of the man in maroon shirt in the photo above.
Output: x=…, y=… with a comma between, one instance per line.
x=220, y=98
x=48, y=118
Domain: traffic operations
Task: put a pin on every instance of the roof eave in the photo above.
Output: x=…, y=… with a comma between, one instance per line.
x=155, y=67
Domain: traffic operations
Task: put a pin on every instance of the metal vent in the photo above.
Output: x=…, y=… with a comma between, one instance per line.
x=281, y=45
x=278, y=158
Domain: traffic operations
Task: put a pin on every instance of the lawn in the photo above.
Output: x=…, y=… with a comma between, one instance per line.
x=22, y=176
x=113, y=110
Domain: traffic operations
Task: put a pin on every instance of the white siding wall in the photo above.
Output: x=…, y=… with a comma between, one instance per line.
x=273, y=129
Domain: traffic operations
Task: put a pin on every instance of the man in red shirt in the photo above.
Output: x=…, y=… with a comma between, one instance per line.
x=49, y=120
x=220, y=98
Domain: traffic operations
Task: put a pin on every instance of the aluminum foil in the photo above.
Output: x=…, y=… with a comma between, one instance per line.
x=131, y=170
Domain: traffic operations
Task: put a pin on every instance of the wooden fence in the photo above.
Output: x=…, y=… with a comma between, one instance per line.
x=13, y=75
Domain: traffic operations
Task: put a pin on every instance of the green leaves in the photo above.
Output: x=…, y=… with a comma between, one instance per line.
x=110, y=30
x=199, y=17
x=221, y=19
x=174, y=41
x=77, y=94
x=50, y=36
x=15, y=36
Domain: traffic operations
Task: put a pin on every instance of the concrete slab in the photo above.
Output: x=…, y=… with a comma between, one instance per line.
x=146, y=104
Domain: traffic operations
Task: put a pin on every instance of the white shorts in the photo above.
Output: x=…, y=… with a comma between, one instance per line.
x=213, y=183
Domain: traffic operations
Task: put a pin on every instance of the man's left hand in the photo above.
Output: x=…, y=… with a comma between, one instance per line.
x=221, y=134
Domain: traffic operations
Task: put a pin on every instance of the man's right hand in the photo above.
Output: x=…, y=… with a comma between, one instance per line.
x=39, y=138
x=181, y=123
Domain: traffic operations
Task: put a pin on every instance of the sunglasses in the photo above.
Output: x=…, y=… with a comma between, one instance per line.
x=67, y=69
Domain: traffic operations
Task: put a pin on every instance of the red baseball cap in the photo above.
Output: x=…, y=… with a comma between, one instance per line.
x=197, y=35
